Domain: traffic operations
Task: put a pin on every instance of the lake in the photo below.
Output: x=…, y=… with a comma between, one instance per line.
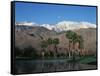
x=42, y=66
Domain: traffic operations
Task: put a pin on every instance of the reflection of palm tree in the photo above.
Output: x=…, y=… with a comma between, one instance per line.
x=55, y=42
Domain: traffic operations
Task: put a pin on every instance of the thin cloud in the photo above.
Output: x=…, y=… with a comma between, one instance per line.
x=59, y=17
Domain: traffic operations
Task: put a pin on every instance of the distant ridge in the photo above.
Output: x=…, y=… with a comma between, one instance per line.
x=60, y=26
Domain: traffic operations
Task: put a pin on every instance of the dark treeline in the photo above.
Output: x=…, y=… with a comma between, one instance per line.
x=30, y=52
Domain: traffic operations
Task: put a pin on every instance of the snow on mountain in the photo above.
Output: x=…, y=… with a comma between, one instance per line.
x=25, y=24
x=87, y=25
x=48, y=26
x=69, y=25
x=61, y=26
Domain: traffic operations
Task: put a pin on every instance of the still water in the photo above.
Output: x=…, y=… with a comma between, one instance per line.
x=39, y=66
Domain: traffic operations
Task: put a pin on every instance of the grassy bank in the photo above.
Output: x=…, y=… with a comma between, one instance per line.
x=91, y=60
x=88, y=60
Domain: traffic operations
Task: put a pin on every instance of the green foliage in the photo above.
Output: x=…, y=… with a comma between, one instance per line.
x=50, y=41
x=51, y=54
x=26, y=52
x=74, y=38
x=47, y=54
x=44, y=44
x=69, y=35
x=56, y=41
x=80, y=40
x=87, y=59
x=29, y=52
x=18, y=51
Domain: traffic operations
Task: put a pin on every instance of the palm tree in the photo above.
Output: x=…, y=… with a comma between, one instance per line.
x=81, y=45
x=55, y=42
x=80, y=41
x=74, y=41
x=49, y=42
x=43, y=46
x=69, y=35
x=74, y=38
x=77, y=39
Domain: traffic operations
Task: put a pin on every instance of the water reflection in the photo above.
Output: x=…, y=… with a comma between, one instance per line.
x=37, y=66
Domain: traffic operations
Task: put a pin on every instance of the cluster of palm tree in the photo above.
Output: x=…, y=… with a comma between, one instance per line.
x=74, y=39
x=47, y=43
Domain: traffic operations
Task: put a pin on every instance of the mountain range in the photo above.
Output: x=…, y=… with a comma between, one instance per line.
x=31, y=34
x=60, y=26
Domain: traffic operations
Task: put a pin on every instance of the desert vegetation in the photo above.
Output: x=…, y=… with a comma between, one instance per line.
x=49, y=49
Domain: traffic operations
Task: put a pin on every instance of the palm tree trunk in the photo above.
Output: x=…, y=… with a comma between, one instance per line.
x=43, y=52
x=73, y=52
x=69, y=51
x=55, y=51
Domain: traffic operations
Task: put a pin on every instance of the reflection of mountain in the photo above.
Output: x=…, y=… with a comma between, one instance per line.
x=26, y=36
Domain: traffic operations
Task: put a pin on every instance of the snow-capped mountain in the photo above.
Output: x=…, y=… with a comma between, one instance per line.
x=48, y=26
x=60, y=26
x=69, y=25
x=21, y=26
x=25, y=24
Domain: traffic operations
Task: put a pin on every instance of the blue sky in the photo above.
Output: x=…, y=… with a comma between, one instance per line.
x=52, y=14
